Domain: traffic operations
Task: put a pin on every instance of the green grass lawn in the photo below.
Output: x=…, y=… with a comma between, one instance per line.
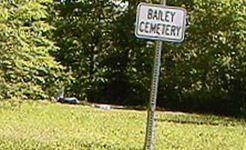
x=44, y=126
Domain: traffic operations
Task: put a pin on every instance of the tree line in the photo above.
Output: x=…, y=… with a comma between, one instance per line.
x=89, y=47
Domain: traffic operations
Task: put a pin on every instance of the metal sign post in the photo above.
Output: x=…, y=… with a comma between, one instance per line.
x=151, y=123
x=162, y=23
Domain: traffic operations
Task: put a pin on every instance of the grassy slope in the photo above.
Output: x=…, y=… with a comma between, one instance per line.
x=54, y=126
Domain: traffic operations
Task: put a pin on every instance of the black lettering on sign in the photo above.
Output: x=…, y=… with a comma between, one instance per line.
x=157, y=15
x=172, y=15
x=178, y=30
x=169, y=16
x=150, y=12
x=147, y=27
x=158, y=29
x=141, y=26
x=163, y=28
x=173, y=29
x=153, y=28
x=167, y=30
x=160, y=14
x=165, y=16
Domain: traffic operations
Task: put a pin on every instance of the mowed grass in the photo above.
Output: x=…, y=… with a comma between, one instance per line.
x=44, y=126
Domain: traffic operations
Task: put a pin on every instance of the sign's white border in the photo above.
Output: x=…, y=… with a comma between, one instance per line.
x=156, y=37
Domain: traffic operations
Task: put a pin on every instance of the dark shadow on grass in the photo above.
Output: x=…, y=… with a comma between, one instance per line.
x=200, y=122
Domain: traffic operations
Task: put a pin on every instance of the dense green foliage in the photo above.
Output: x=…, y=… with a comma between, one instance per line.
x=94, y=41
x=27, y=69
x=98, y=44
x=53, y=126
x=209, y=67
x=111, y=65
